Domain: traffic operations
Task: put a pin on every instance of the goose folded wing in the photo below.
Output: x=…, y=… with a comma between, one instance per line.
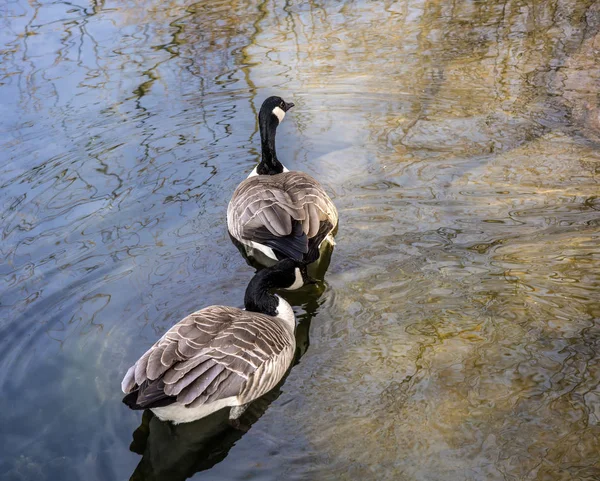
x=307, y=194
x=317, y=208
x=270, y=218
x=209, y=355
x=254, y=191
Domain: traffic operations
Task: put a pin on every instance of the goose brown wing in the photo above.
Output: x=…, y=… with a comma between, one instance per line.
x=265, y=207
x=308, y=195
x=262, y=201
x=211, y=354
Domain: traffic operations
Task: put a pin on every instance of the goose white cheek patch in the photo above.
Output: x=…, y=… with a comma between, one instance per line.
x=298, y=283
x=279, y=113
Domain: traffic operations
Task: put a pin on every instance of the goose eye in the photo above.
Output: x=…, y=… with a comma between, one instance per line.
x=281, y=105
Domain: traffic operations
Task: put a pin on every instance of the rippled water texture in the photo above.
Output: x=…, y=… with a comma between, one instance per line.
x=457, y=334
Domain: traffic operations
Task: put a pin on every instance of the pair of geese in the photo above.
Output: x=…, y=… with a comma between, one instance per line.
x=223, y=356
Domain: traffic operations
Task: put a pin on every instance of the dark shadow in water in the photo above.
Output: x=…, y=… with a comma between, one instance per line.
x=176, y=452
x=316, y=270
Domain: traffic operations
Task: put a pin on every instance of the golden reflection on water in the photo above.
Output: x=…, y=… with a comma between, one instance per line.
x=458, y=335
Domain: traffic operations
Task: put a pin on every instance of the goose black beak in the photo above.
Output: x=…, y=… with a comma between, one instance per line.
x=288, y=106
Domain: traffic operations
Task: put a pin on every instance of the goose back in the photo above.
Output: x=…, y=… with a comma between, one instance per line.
x=266, y=209
x=216, y=354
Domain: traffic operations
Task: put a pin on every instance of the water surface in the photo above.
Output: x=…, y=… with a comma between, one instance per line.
x=457, y=334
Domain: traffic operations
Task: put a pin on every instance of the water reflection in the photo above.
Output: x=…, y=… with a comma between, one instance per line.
x=176, y=452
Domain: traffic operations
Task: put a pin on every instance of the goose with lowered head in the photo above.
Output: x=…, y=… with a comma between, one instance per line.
x=279, y=213
x=219, y=356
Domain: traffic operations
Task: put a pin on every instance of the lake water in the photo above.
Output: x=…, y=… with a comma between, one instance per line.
x=457, y=333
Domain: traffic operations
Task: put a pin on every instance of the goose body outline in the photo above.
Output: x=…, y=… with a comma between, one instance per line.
x=277, y=212
x=219, y=356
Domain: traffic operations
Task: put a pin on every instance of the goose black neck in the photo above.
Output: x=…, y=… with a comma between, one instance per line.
x=269, y=164
x=258, y=298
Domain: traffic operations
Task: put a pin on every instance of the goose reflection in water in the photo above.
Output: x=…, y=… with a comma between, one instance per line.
x=176, y=452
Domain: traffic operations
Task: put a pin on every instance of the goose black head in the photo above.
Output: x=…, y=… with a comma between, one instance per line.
x=286, y=274
x=273, y=108
x=270, y=116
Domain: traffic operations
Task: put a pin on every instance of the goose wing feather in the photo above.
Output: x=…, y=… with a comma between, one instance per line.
x=211, y=354
x=273, y=202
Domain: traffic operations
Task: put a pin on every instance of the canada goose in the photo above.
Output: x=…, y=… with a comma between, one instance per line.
x=219, y=356
x=279, y=213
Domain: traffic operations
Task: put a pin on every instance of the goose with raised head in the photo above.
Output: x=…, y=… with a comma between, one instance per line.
x=219, y=356
x=276, y=212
